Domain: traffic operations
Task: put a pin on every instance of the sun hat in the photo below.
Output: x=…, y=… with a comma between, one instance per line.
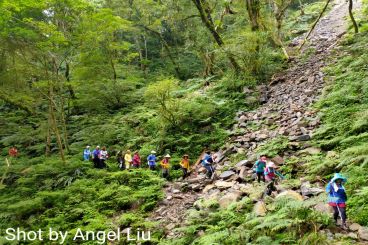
x=168, y=156
x=153, y=152
x=271, y=165
x=338, y=176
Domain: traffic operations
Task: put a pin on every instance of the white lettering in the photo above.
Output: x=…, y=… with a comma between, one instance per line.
x=9, y=233
x=128, y=235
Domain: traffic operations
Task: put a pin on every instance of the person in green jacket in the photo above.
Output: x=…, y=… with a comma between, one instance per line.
x=260, y=166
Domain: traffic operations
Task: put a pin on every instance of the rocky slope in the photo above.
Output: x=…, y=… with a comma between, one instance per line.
x=284, y=112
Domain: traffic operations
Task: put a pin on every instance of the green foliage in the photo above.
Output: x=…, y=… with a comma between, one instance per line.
x=273, y=147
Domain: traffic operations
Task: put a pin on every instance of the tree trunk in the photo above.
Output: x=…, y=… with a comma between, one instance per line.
x=206, y=18
x=356, y=30
x=314, y=24
x=54, y=125
x=253, y=13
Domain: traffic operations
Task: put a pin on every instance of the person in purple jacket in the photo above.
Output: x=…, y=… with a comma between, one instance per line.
x=337, y=197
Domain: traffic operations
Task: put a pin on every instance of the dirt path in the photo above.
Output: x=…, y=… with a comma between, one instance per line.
x=285, y=112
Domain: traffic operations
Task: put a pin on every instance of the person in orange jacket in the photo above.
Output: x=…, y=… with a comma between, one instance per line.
x=184, y=163
x=165, y=164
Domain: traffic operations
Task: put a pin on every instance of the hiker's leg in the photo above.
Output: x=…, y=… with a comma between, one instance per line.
x=336, y=213
x=263, y=177
x=259, y=177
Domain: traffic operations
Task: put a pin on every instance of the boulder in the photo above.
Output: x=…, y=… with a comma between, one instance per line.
x=243, y=172
x=243, y=118
x=323, y=208
x=195, y=187
x=353, y=235
x=311, y=150
x=331, y=154
x=242, y=163
x=245, y=188
x=308, y=190
x=363, y=233
x=196, y=180
x=354, y=227
x=278, y=160
x=304, y=137
x=229, y=198
x=220, y=184
x=226, y=175
x=291, y=194
x=207, y=188
x=260, y=208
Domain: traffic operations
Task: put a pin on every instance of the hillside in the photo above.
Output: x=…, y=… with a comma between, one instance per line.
x=178, y=78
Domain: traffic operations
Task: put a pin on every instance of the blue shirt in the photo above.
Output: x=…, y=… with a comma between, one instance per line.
x=86, y=154
x=336, y=197
x=260, y=166
x=96, y=153
x=151, y=160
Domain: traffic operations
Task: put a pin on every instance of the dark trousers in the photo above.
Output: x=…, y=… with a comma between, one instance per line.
x=152, y=167
x=338, y=211
x=102, y=163
x=185, y=172
x=96, y=162
x=165, y=173
x=259, y=176
x=209, y=170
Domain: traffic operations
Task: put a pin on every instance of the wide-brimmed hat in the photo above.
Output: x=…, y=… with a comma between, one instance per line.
x=271, y=165
x=168, y=156
x=185, y=155
x=128, y=151
x=153, y=152
x=98, y=146
x=339, y=176
x=87, y=146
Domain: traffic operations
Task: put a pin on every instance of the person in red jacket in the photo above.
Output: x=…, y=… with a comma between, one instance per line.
x=136, y=160
x=13, y=152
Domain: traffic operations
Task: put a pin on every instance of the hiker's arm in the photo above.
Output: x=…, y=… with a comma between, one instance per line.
x=280, y=175
x=328, y=188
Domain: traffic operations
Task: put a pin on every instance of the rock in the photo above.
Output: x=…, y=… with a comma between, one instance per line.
x=229, y=198
x=207, y=188
x=245, y=188
x=311, y=150
x=260, y=208
x=308, y=92
x=262, y=136
x=241, y=164
x=220, y=184
x=363, y=233
x=226, y=175
x=195, y=187
x=243, y=119
x=311, y=79
x=354, y=227
x=331, y=154
x=292, y=194
x=307, y=190
x=323, y=208
x=303, y=130
x=175, y=191
x=247, y=90
x=270, y=121
x=300, y=138
x=170, y=226
x=353, y=235
x=169, y=197
x=243, y=172
x=278, y=160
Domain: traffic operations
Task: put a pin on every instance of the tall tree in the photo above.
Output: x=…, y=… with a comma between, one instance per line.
x=205, y=14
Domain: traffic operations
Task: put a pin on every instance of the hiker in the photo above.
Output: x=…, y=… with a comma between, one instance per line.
x=136, y=160
x=206, y=162
x=96, y=157
x=184, y=163
x=120, y=159
x=271, y=173
x=103, y=157
x=165, y=166
x=151, y=159
x=128, y=159
x=13, y=152
x=337, y=198
x=87, y=153
x=260, y=166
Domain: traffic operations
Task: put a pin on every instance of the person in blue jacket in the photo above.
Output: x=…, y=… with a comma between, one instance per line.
x=207, y=162
x=337, y=197
x=151, y=159
x=260, y=166
x=87, y=153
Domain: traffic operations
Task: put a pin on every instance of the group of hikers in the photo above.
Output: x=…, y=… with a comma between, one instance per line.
x=264, y=171
x=126, y=160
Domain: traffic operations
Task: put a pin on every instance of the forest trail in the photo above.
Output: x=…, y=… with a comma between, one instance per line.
x=285, y=112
